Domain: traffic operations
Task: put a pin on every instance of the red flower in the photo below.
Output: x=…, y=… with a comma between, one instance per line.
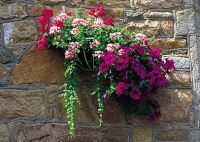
x=98, y=11
x=47, y=12
x=109, y=21
x=69, y=13
x=43, y=21
x=41, y=43
x=59, y=24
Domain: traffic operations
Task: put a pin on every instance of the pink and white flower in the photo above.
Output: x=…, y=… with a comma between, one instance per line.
x=98, y=23
x=54, y=30
x=79, y=21
x=112, y=47
x=61, y=17
x=98, y=54
x=116, y=35
x=73, y=45
x=70, y=54
x=141, y=37
x=74, y=31
x=94, y=44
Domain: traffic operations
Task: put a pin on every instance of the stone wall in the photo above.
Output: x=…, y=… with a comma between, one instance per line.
x=30, y=81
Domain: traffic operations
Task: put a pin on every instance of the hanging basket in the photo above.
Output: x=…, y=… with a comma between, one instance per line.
x=86, y=59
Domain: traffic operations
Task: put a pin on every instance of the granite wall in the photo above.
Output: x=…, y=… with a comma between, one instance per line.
x=30, y=81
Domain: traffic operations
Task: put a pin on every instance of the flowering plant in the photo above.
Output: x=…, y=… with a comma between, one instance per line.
x=128, y=68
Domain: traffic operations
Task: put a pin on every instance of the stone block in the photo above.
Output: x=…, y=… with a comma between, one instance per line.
x=34, y=9
x=169, y=43
x=142, y=134
x=58, y=132
x=20, y=33
x=149, y=27
x=184, y=22
x=150, y=4
x=21, y=103
x=4, y=133
x=39, y=67
x=172, y=135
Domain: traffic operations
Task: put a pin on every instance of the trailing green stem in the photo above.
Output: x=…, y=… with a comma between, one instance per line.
x=71, y=100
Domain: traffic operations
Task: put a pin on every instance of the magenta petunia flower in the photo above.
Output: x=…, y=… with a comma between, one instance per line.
x=138, y=49
x=155, y=52
x=136, y=94
x=121, y=88
x=109, y=58
x=103, y=67
x=169, y=65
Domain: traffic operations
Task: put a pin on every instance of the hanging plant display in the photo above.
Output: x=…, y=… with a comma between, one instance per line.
x=128, y=69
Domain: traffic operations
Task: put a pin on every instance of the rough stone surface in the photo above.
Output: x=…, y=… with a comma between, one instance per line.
x=2, y=72
x=180, y=79
x=115, y=12
x=20, y=33
x=58, y=132
x=84, y=113
x=6, y=56
x=149, y=27
x=109, y=3
x=148, y=4
x=172, y=135
x=39, y=67
x=194, y=135
x=167, y=28
x=21, y=103
x=169, y=43
x=34, y=9
x=184, y=24
x=156, y=14
x=142, y=134
x=4, y=10
x=17, y=10
x=4, y=133
x=178, y=101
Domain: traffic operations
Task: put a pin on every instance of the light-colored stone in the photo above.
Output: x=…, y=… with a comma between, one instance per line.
x=39, y=67
x=142, y=134
x=4, y=133
x=4, y=10
x=157, y=14
x=21, y=103
x=149, y=4
x=149, y=27
x=13, y=10
x=20, y=33
x=184, y=23
x=167, y=28
x=169, y=43
x=17, y=10
x=172, y=135
x=180, y=78
x=34, y=9
x=110, y=3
